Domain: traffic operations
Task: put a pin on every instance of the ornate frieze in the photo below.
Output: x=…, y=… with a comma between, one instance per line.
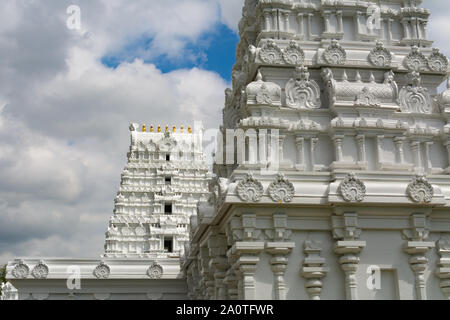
x=335, y=54
x=250, y=189
x=366, y=99
x=420, y=190
x=352, y=189
x=301, y=92
x=380, y=56
x=281, y=190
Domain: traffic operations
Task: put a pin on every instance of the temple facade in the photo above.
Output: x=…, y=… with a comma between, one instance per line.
x=341, y=188
x=331, y=177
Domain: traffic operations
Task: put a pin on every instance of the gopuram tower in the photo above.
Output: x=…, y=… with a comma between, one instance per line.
x=339, y=184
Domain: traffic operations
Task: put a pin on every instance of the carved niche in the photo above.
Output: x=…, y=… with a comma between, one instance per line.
x=437, y=61
x=352, y=189
x=293, y=54
x=380, y=56
x=420, y=190
x=415, y=98
x=335, y=54
x=250, y=189
x=263, y=93
x=281, y=190
x=301, y=92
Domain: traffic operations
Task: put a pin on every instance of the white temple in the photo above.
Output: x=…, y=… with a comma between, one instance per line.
x=338, y=187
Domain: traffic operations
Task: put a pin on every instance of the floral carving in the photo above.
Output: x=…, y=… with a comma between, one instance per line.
x=366, y=99
x=293, y=54
x=102, y=271
x=414, y=98
x=302, y=92
x=415, y=60
x=40, y=271
x=352, y=189
x=270, y=53
x=281, y=190
x=420, y=190
x=437, y=61
x=250, y=189
x=21, y=271
x=380, y=56
x=155, y=271
x=335, y=54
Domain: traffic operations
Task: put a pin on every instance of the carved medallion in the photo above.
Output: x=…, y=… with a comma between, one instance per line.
x=102, y=271
x=414, y=98
x=352, y=189
x=293, y=54
x=270, y=53
x=302, y=92
x=415, y=60
x=21, y=271
x=40, y=271
x=281, y=190
x=155, y=271
x=437, y=61
x=366, y=99
x=250, y=189
x=380, y=56
x=420, y=190
x=335, y=54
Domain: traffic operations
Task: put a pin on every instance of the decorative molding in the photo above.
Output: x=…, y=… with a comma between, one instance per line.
x=366, y=99
x=438, y=62
x=352, y=189
x=415, y=60
x=380, y=56
x=21, y=271
x=155, y=271
x=281, y=190
x=443, y=270
x=335, y=54
x=270, y=53
x=420, y=190
x=414, y=98
x=250, y=189
x=40, y=271
x=102, y=271
x=301, y=92
x=293, y=54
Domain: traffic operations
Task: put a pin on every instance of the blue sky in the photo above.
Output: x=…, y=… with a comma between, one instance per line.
x=213, y=51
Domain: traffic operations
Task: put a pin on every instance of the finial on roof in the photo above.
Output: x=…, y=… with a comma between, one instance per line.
x=259, y=76
x=159, y=129
x=151, y=128
x=144, y=129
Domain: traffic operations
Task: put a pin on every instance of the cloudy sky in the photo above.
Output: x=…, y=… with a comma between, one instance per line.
x=67, y=97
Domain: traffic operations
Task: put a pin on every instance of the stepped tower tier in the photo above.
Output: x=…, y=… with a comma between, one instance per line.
x=342, y=163
x=164, y=180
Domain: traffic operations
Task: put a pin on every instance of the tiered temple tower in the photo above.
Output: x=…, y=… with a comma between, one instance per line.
x=165, y=178
x=342, y=188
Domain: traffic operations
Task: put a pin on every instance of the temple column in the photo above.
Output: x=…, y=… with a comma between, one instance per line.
x=313, y=269
x=399, y=154
x=406, y=31
x=443, y=270
x=314, y=142
x=326, y=19
x=279, y=251
x=347, y=232
x=415, y=149
x=361, y=142
x=300, y=21
x=248, y=259
x=417, y=248
x=267, y=22
x=338, y=140
x=380, y=151
x=300, y=143
x=340, y=22
x=219, y=263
